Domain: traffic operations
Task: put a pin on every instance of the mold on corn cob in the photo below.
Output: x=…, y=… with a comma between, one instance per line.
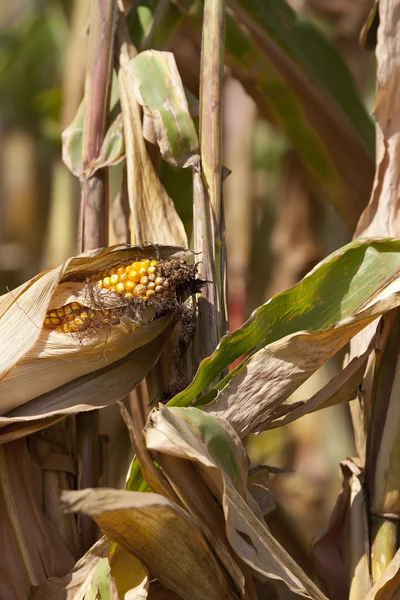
x=109, y=295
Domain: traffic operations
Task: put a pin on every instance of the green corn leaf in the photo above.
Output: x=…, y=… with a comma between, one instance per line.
x=333, y=295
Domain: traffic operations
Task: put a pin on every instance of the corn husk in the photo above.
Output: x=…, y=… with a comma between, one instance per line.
x=45, y=373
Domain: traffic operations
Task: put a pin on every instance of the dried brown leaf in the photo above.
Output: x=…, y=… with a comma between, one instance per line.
x=161, y=535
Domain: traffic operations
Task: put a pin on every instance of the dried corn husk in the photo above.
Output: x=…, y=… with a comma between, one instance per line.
x=46, y=373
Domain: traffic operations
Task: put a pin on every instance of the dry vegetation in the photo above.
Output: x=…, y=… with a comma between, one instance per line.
x=198, y=391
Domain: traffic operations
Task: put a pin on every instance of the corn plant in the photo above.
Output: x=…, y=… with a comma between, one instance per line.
x=143, y=324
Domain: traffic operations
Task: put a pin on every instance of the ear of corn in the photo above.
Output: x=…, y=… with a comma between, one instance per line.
x=133, y=283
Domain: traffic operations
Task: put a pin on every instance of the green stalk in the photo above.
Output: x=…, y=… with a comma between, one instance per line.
x=207, y=211
x=94, y=209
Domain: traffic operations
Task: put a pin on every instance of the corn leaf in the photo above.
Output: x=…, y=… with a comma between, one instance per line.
x=161, y=535
x=286, y=65
x=339, y=297
x=112, y=150
x=154, y=214
x=342, y=546
x=99, y=572
x=158, y=88
x=342, y=388
x=193, y=435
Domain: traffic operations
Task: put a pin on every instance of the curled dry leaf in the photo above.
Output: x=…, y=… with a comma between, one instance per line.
x=162, y=535
x=118, y=573
x=219, y=455
x=341, y=388
x=151, y=207
x=91, y=321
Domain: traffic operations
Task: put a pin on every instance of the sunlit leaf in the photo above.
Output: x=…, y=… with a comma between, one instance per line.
x=159, y=89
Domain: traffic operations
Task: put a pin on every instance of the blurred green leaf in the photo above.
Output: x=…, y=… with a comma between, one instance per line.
x=302, y=85
x=112, y=151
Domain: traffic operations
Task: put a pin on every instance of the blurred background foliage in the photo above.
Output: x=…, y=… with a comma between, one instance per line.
x=278, y=222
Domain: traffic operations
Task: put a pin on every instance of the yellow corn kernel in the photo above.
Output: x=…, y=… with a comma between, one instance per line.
x=136, y=265
x=165, y=285
x=67, y=309
x=120, y=271
x=134, y=276
x=151, y=270
x=159, y=289
x=114, y=279
x=47, y=321
x=150, y=293
x=75, y=306
x=83, y=315
x=153, y=263
x=120, y=287
x=129, y=295
x=129, y=285
x=143, y=271
x=145, y=263
x=159, y=280
x=55, y=321
x=52, y=313
x=60, y=312
x=123, y=277
x=151, y=285
x=144, y=280
x=152, y=277
x=106, y=282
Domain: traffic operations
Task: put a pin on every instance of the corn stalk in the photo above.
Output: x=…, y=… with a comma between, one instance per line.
x=209, y=243
x=94, y=207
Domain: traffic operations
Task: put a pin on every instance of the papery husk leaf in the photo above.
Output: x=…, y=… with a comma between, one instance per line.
x=152, y=209
x=34, y=380
x=341, y=550
x=159, y=89
x=340, y=296
x=161, y=535
x=217, y=451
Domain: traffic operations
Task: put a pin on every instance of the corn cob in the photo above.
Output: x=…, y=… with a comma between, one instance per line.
x=140, y=280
